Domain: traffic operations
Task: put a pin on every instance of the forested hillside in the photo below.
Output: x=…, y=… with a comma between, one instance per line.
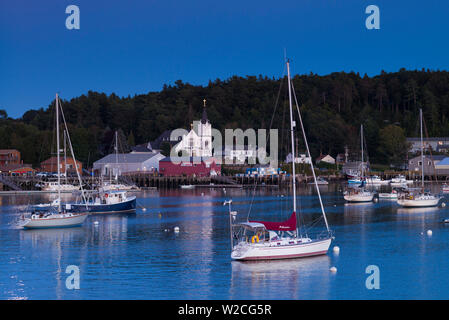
x=333, y=108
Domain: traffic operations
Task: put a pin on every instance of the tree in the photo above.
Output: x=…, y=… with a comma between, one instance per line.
x=393, y=145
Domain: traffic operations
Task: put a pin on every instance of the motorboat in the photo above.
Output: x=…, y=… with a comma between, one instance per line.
x=103, y=201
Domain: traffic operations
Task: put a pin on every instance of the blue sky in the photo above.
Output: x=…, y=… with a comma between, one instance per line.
x=133, y=47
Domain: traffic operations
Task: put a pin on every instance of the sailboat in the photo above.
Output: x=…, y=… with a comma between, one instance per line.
x=359, y=193
x=115, y=185
x=266, y=240
x=419, y=197
x=52, y=186
x=59, y=216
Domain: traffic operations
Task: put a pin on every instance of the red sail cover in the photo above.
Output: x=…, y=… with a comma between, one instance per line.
x=287, y=225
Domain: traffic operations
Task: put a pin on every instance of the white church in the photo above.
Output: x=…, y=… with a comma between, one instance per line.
x=198, y=142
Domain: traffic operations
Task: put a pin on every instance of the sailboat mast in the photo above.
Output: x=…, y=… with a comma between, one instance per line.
x=57, y=152
x=116, y=157
x=422, y=150
x=292, y=126
x=361, y=143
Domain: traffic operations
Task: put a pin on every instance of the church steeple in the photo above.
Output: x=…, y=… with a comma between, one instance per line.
x=204, y=117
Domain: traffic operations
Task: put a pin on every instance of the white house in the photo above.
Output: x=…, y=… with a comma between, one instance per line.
x=117, y=164
x=198, y=142
x=301, y=159
x=325, y=158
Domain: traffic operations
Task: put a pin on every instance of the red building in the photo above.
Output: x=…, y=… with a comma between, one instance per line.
x=51, y=165
x=9, y=157
x=200, y=167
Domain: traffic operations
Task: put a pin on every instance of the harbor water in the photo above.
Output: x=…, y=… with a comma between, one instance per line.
x=140, y=256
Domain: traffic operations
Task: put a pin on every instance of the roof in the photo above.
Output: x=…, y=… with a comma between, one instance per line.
x=204, y=117
x=145, y=147
x=164, y=137
x=252, y=225
x=126, y=158
x=188, y=159
x=5, y=151
x=444, y=162
x=429, y=139
x=55, y=160
x=13, y=166
x=434, y=157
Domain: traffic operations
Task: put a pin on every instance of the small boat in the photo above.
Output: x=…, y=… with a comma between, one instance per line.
x=400, y=180
x=267, y=240
x=53, y=186
x=54, y=215
x=105, y=202
x=320, y=181
x=420, y=199
x=389, y=195
x=109, y=186
x=411, y=197
x=51, y=219
x=376, y=180
x=358, y=195
x=187, y=186
x=355, y=180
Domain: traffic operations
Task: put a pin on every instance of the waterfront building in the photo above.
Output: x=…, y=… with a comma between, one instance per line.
x=121, y=163
x=9, y=157
x=438, y=144
x=326, y=159
x=66, y=164
x=189, y=166
x=301, y=159
x=198, y=141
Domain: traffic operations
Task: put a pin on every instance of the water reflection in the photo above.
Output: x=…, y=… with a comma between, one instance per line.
x=304, y=278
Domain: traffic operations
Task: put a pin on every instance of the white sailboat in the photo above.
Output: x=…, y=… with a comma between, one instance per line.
x=262, y=240
x=359, y=193
x=419, y=198
x=114, y=185
x=400, y=181
x=59, y=216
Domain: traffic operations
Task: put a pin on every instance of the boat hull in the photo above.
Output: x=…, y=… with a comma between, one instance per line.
x=388, y=196
x=414, y=203
x=122, y=207
x=359, y=198
x=56, y=222
x=264, y=252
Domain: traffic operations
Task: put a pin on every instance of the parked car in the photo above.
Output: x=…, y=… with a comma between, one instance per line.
x=42, y=174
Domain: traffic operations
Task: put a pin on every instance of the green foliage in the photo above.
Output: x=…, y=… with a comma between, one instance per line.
x=393, y=145
x=333, y=107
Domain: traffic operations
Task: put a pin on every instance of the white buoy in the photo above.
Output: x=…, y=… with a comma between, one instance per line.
x=333, y=269
x=202, y=194
x=96, y=223
x=443, y=204
x=144, y=209
x=336, y=249
x=429, y=233
x=176, y=229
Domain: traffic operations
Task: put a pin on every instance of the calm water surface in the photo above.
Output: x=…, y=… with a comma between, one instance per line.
x=139, y=256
